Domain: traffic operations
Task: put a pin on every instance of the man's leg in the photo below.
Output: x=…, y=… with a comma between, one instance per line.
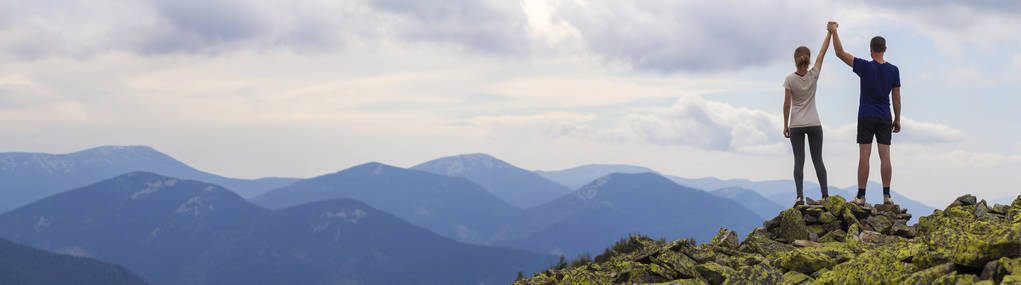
x=887, y=167
x=864, y=153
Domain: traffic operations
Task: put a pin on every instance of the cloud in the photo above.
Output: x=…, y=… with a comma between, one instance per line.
x=488, y=25
x=669, y=36
x=692, y=121
x=69, y=28
x=912, y=132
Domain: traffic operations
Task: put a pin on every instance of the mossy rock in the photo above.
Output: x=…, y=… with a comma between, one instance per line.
x=715, y=273
x=794, y=278
x=834, y=204
x=928, y=275
x=756, y=274
x=968, y=241
x=791, y=226
x=805, y=260
x=726, y=238
x=876, y=266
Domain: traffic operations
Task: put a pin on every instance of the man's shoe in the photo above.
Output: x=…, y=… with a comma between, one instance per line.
x=887, y=200
x=859, y=200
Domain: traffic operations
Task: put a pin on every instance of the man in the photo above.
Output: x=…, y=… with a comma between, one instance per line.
x=878, y=80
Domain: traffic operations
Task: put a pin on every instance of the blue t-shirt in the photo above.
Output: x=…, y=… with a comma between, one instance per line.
x=877, y=80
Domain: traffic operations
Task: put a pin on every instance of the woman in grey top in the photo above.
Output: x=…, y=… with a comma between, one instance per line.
x=800, y=119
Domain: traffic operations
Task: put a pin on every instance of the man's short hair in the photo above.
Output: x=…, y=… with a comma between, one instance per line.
x=878, y=44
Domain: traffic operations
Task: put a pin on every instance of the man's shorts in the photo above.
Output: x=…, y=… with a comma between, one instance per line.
x=868, y=127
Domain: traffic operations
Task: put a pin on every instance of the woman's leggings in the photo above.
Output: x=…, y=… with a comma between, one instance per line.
x=815, y=146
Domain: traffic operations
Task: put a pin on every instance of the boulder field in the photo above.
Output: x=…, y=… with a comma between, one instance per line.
x=828, y=242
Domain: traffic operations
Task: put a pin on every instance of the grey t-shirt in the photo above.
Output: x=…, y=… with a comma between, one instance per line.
x=803, y=113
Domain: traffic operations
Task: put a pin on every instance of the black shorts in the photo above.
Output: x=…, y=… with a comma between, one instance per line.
x=868, y=127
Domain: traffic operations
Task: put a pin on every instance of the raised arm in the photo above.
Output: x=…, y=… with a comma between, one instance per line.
x=786, y=112
x=822, y=51
x=839, y=48
x=896, y=109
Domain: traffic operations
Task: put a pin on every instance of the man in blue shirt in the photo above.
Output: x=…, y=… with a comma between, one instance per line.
x=878, y=80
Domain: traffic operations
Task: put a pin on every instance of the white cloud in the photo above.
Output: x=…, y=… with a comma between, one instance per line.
x=912, y=132
x=692, y=121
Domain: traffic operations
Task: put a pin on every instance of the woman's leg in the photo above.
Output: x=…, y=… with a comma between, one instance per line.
x=798, y=143
x=815, y=146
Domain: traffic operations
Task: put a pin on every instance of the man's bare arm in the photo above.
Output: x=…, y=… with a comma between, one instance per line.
x=896, y=109
x=839, y=48
x=822, y=51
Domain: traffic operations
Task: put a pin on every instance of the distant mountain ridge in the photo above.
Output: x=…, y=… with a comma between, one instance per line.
x=619, y=204
x=174, y=231
x=450, y=206
x=521, y=188
x=576, y=177
x=26, y=177
x=751, y=200
x=780, y=192
x=23, y=265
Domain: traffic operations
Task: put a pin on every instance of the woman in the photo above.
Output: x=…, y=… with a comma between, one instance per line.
x=800, y=118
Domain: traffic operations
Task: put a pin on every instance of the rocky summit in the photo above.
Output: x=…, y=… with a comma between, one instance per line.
x=826, y=242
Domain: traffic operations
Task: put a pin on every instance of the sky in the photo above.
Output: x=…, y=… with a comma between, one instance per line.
x=690, y=88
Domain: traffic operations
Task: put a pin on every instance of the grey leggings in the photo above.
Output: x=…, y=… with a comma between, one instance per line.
x=815, y=146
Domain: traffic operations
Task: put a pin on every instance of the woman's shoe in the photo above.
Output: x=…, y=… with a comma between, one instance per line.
x=799, y=202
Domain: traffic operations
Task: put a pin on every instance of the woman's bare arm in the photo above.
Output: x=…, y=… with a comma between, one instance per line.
x=822, y=51
x=786, y=112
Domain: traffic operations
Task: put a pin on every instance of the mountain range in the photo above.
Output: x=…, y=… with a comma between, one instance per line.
x=26, y=177
x=174, y=231
x=23, y=265
x=450, y=206
x=521, y=188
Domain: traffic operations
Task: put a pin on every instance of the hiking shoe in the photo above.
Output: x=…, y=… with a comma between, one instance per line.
x=887, y=200
x=859, y=200
x=798, y=202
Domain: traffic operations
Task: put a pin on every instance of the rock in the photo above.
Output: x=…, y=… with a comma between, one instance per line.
x=856, y=210
x=953, y=278
x=899, y=229
x=810, y=201
x=810, y=219
x=791, y=226
x=805, y=260
x=999, y=209
x=756, y=274
x=794, y=277
x=833, y=236
x=980, y=209
x=726, y=238
x=880, y=224
x=834, y=204
x=714, y=273
x=848, y=217
x=806, y=243
x=871, y=236
x=968, y=241
x=882, y=209
x=929, y=275
x=813, y=236
x=967, y=199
